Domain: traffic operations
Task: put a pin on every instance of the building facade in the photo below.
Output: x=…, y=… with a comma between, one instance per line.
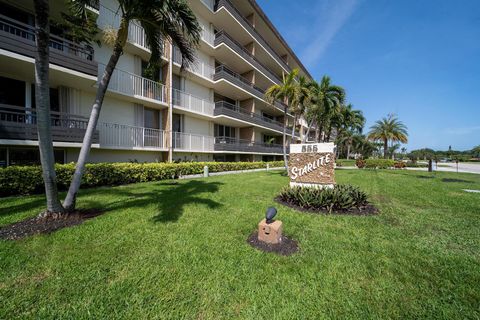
x=213, y=111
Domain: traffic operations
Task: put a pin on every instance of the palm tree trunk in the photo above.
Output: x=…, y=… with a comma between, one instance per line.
x=122, y=35
x=308, y=131
x=385, y=148
x=285, y=138
x=42, y=100
x=348, y=151
x=293, y=128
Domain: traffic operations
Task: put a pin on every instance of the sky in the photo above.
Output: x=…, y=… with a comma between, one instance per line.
x=419, y=59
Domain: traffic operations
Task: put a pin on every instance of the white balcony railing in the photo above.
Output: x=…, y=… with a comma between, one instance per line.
x=192, y=103
x=108, y=18
x=199, y=67
x=192, y=142
x=130, y=84
x=114, y=135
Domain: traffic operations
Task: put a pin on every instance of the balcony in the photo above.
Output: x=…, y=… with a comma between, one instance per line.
x=132, y=85
x=223, y=108
x=246, y=24
x=19, y=123
x=120, y=136
x=223, y=37
x=192, y=142
x=109, y=18
x=228, y=144
x=223, y=72
x=201, y=68
x=19, y=37
x=192, y=103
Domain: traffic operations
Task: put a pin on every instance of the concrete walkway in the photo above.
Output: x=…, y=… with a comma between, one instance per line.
x=442, y=167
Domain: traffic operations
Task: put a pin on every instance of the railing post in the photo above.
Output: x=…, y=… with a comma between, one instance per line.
x=190, y=141
x=143, y=137
x=190, y=101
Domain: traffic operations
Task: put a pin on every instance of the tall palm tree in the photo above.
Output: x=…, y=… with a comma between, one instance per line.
x=302, y=101
x=42, y=100
x=161, y=19
x=288, y=92
x=326, y=102
x=388, y=129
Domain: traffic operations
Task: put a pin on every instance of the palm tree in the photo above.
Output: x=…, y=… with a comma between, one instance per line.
x=161, y=19
x=388, y=129
x=287, y=91
x=42, y=100
x=299, y=101
x=326, y=102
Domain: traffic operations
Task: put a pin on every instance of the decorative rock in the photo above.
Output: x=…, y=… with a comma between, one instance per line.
x=270, y=232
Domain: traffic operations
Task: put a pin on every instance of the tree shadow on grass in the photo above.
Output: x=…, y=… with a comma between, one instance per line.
x=31, y=204
x=170, y=198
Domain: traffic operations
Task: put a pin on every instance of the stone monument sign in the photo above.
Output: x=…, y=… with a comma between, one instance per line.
x=312, y=165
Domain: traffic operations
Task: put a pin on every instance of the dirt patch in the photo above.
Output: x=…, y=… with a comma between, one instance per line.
x=286, y=248
x=32, y=226
x=366, y=210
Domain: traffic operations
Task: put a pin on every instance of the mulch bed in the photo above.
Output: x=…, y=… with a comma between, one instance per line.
x=286, y=248
x=36, y=225
x=367, y=210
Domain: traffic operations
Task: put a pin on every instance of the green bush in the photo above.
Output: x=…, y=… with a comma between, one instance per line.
x=411, y=164
x=379, y=163
x=20, y=180
x=341, y=197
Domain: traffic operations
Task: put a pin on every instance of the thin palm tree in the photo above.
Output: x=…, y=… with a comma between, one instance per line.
x=287, y=91
x=388, y=129
x=160, y=19
x=299, y=101
x=42, y=100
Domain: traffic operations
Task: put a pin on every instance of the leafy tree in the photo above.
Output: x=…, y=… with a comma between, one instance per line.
x=161, y=19
x=388, y=129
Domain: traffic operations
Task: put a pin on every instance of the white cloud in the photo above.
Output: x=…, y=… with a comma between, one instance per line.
x=462, y=130
x=332, y=15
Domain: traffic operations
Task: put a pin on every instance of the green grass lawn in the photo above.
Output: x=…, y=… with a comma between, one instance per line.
x=347, y=163
x=179, y=251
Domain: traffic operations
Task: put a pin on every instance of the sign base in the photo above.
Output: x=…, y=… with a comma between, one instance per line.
x=311, y=185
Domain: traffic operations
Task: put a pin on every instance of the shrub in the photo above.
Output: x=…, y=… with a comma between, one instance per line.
x=411, y=164
x=340, y=197
x=400, y=165
x=20, y=180
x=360, y=163
x=379, y=163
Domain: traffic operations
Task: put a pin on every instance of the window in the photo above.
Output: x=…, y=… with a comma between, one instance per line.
x=54, y=101
x=31, y=156
x=266, y=115
x=12, y=92
x=3, y=157
x=151, y=118
x=224, y=131
x=269, y=139
x=177, y=122
x=150, y=72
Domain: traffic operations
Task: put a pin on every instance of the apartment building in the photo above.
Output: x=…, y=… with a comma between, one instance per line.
x=213, y=111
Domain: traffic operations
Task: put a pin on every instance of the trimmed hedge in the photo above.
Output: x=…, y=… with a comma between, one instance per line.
x=379, y=163
x=21, y=180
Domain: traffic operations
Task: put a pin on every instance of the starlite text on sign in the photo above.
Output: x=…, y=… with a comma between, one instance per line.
x=309, y=167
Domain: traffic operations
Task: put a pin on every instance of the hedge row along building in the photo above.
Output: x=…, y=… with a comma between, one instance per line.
x=214, y=111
